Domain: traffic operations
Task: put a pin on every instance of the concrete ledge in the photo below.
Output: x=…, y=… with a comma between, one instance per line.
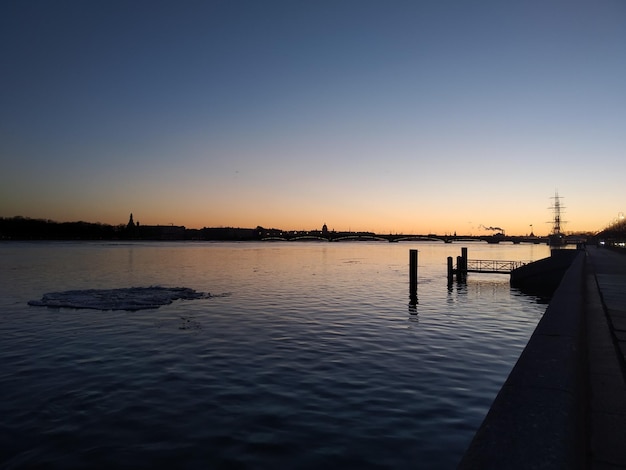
x=542, y=277
x=538, y=418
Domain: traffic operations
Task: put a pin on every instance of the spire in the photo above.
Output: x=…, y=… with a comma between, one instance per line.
x=131, y=223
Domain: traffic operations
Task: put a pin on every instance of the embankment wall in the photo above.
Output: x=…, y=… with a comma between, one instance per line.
x=538, y=418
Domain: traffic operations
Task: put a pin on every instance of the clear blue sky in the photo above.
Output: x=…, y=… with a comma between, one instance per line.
x=402, y=116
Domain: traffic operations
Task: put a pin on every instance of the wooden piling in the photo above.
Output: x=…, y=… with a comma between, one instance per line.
x=464, y=258
x=460, y=272
x=450, y=270
x=413, y=276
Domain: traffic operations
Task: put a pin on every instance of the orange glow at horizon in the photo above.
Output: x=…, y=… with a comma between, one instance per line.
x=378, y=221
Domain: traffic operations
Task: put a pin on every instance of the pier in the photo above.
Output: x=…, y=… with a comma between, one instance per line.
x=465, y=265
x=564, y=403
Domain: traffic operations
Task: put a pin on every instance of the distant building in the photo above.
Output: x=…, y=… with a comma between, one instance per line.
x=154, y=232
x=161, y=232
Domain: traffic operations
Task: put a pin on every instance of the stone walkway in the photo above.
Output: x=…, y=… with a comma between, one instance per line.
x=606, y=339
x=563, y=405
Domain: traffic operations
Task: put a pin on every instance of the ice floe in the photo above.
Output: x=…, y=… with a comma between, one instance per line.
x=131, y=298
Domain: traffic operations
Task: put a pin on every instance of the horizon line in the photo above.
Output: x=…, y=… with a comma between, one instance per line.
x=349, y=230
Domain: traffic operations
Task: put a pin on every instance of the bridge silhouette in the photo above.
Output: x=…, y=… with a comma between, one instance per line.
x=395, y=238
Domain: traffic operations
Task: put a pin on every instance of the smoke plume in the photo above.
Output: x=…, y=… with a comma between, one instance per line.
x=493, y=229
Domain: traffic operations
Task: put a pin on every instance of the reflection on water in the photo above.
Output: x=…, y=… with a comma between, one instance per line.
x=312, y=359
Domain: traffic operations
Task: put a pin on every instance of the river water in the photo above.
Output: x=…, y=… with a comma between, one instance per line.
x=306, y=355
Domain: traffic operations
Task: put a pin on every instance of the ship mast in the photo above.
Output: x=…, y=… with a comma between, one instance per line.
x=556, y=212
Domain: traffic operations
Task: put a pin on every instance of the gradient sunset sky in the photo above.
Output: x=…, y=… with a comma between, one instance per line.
x=386, y=116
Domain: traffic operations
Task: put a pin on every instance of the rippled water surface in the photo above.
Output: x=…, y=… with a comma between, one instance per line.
x=306, y=355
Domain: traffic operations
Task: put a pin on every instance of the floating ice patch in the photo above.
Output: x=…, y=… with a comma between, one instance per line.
x=132, y=298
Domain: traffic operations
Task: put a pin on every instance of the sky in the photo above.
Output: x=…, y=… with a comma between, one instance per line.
x=392, y=116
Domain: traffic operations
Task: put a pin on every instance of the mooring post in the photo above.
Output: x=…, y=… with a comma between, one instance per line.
x=413, y=276
x=460, y=273
x=464, y=256
x=450, y=270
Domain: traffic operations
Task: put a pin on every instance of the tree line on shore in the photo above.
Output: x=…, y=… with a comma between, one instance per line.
x=614, y=233
x=23, y=228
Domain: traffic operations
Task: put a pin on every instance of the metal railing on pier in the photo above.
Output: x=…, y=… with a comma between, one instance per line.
x=491, y=266
x=465, y=265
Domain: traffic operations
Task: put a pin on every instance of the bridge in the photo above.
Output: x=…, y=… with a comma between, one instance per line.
x=276, y=235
